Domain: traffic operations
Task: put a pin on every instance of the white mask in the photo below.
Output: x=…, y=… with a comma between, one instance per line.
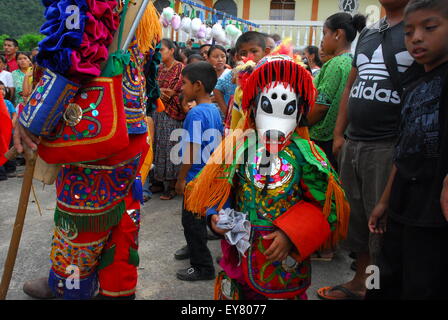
x=276, y=116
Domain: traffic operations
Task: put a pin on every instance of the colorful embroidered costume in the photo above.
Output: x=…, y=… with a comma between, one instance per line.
x=279, y=179
x=92, y=122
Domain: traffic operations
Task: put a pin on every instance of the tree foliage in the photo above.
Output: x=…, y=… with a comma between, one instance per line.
x=19, y=17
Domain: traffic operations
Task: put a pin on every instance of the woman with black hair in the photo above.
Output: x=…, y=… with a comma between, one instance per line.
x=339, y=31
x=313, y=59
x=170, y=82
x=24, y=73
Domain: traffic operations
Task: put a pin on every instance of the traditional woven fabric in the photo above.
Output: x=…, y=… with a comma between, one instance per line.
x=164, y=168
x=94, y=125
x=134, y=93
x=108, y=258
x=82, y=251
x=274, y=279
x=171, y=78
x=47, y=103
x=90, y=197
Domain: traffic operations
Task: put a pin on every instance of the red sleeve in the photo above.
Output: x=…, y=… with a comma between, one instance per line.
x=5, y=130
x=306, y=226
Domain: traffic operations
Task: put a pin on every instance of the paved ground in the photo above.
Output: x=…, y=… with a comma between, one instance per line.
x=161, y=234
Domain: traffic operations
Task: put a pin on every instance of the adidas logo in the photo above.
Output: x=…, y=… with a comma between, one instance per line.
x=373, y=93
x=375, y=69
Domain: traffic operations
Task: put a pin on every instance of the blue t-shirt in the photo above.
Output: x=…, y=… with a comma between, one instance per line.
x=226, y=86
x=203, y=126
x=10, y=107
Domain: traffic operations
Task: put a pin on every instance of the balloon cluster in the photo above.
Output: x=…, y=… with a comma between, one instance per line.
x=198, y=29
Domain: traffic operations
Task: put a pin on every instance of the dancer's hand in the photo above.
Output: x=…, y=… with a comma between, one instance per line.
x=214, y=222
x=24, y=137
x=280, y=246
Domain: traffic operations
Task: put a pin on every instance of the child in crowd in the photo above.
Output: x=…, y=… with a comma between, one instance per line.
x=252, y=45
x=204, y=119
x=9, y=105
x=10, y=166
x=413, y=262
x=195, y=57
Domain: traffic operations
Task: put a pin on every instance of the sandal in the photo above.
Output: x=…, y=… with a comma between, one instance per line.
x=319, y=256
x=349, y=295
x=168, y=195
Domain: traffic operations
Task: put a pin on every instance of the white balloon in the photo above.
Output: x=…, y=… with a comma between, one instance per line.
x=168, y=13
x=216, y=29
x=208, y=33
x=185, y=24
x=195, y=25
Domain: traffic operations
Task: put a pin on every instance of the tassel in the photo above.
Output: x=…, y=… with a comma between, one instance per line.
x=137, y=190
x=149, y=31
x=304, y=133
x=87, y=222
x=342, y=212
x=218, y=290
x=160, y=105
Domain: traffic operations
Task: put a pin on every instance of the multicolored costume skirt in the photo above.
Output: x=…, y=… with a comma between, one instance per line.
x=97, y=221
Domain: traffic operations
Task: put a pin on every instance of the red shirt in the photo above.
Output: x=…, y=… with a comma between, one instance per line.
x=12, y=64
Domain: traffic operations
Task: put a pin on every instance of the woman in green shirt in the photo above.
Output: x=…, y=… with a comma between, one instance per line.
x=24, y=63
x=339, y=32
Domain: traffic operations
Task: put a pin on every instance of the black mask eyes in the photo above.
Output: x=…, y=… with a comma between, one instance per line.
x=266, y=105
x=290, y=108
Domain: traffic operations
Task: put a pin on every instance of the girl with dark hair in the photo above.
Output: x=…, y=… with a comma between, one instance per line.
x=195, y=57
x=313, y=59
x=25, y=72
x=170, y=82
x=217, y=57
x=224, y=89
x=339, y=31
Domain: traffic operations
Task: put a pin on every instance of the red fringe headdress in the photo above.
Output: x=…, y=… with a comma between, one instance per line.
x=213, y=185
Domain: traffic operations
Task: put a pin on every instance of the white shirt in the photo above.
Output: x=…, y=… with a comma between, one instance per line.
x=6, y=78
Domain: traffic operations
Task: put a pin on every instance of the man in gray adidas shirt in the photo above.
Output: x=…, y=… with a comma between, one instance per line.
x=366, y=131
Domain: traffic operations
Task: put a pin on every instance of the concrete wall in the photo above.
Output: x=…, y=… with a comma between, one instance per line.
x=259, y=9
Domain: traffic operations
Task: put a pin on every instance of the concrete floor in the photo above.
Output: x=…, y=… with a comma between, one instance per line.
x=160, y=236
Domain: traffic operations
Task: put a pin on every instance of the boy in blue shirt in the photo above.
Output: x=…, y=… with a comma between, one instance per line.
x=203, y=131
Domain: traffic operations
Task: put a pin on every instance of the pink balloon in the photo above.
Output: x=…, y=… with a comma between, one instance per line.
x=175, y=22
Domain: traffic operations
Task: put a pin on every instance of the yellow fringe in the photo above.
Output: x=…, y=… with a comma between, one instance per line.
x=342, y=212
x=147, y=163
x=212, y=188
x=149, y=31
